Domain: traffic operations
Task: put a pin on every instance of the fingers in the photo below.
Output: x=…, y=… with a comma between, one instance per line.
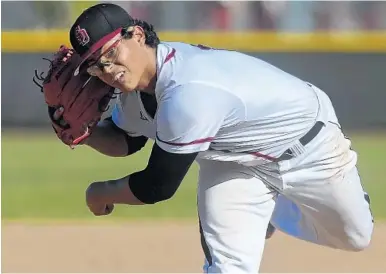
x=68, y=55
x=58, y=113
x=101, y=209
x=64, y=53
x=109, y=209
x=57, y=116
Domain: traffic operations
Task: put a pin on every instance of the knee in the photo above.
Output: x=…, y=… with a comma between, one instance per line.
x=358, y=237
x=358, y=241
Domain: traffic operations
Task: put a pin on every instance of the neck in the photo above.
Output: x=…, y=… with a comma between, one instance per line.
x=150, y=74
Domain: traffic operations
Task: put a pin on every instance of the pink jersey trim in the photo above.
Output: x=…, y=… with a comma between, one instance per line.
x=170, y=55
x=258, y=154
x=195, y=142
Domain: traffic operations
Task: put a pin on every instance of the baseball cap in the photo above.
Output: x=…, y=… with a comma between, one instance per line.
x=95, y=27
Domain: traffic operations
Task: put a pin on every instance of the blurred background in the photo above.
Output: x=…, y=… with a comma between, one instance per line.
x=210, y=15
x=338, y=46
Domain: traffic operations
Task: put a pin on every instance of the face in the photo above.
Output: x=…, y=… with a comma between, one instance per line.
x=122, y=63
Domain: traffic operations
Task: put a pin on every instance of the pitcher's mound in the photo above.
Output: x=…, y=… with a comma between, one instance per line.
x=162, y=247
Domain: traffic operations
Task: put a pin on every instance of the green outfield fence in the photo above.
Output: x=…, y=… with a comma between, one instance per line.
x=255, y=41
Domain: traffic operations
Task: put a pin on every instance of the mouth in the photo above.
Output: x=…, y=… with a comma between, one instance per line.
x=119, y=77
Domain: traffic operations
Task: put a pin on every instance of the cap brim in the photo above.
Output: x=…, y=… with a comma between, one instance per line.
x=96, y=46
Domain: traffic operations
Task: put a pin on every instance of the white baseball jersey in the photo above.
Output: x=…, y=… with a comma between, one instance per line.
x=226, y=105
x=232, y=107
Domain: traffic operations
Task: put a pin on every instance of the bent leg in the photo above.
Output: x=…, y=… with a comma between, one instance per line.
x=334, y=214
x=234, y=210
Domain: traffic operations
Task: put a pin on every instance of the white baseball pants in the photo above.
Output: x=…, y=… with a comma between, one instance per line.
x=316, y=196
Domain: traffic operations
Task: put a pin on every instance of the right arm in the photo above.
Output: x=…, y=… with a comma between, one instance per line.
x=110, y=140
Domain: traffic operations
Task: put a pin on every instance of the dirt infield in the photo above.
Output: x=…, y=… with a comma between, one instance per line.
x=155, y=247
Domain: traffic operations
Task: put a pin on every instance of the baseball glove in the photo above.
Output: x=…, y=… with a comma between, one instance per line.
x=82, y=98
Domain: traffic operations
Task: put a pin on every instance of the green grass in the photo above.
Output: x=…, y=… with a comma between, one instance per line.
x=43, y=179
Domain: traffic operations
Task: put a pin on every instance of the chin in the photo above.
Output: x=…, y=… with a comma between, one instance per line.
x=126, y=88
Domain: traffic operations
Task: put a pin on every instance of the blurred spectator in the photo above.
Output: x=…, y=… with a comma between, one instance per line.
x=238, y=15
x=339, y=15
x=291, y=16
x=260, y=19
x=375, y=15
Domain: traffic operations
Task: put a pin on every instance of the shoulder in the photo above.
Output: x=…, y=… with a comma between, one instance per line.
x=191, y=103
x=188, y=119
x=178, y=102
x=188, y=95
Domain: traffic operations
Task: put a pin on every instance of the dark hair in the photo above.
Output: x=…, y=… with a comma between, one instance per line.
x=151, y=36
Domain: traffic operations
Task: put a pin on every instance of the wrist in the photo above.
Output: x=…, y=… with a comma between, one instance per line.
x=119, y=192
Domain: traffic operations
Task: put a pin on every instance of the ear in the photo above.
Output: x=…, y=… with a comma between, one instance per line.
x=139, y=35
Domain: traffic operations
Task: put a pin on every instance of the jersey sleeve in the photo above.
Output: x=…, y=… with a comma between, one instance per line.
x=189, y=118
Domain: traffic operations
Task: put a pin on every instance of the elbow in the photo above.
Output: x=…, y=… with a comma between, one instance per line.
x=132, y=151
x=164, y=195
x=119, y=153
x=109, y=151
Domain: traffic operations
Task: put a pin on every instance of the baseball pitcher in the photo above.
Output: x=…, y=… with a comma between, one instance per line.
x=269, y=146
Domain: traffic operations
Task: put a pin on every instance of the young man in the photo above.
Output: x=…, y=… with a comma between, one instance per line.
x=268, y=144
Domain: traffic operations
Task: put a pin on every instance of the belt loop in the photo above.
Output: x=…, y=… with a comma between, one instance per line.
x=297, y=149
x=299, y=146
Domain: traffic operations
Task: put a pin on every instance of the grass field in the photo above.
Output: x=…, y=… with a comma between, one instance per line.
x=43, y=179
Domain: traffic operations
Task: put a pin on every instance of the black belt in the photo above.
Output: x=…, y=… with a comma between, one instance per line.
x=311, y=134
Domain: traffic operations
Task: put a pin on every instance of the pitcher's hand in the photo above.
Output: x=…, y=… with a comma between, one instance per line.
x=96, y=200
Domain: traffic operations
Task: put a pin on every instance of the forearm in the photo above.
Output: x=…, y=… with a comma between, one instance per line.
x=157, y=182
x=115, y=192
x=108, y=141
